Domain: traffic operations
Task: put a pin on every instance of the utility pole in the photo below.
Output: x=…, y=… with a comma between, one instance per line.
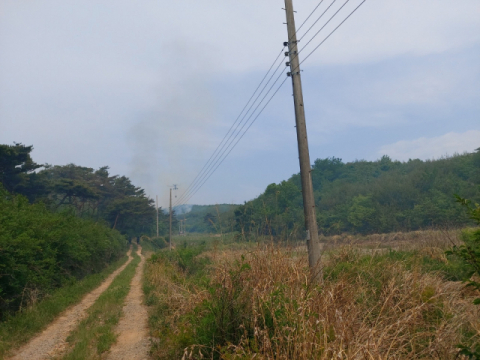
x=313, y=244
x=156, y=206
x=170, y=238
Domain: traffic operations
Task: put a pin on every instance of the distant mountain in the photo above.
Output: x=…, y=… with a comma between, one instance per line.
x=208, y=218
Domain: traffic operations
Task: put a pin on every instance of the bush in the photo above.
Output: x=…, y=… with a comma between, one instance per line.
x=469, y=254
x=41, y=250
x=186, y=258
x=159, y=242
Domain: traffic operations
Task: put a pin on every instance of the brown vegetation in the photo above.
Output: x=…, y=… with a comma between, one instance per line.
x=383, y=297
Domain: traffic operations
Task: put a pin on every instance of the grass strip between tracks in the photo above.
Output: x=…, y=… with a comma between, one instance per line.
x=95, y=334
x=26, y=324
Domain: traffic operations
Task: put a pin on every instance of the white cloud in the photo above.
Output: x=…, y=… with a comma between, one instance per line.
x=136, y=84
x=384, y=29
x=433, y=148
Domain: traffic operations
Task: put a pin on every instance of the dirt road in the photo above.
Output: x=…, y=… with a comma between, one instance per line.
x=133, y=342
x=52, y=341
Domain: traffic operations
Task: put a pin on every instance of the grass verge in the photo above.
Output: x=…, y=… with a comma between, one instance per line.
x=20, y=328
x=95, y=334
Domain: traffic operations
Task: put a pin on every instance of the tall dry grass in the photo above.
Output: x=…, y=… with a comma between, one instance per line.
x=261, y=305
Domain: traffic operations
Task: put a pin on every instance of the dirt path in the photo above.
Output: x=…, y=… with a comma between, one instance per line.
x=52, y=341
x=133, y=341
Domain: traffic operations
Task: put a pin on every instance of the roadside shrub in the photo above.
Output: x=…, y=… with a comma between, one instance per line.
x=226, y=315
x=186, y=258
x=469, y=254
x=41, y=250
x=159, y=242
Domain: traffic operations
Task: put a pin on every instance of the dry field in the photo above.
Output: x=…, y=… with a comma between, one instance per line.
x=393, y=296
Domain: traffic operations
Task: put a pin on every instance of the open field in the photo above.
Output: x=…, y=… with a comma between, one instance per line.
x=395, y=296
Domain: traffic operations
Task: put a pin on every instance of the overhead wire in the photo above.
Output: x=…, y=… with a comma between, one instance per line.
x=233, y=125
x=251, y=123
x=323, y=27
x=316, y=21
x=186, y=197
x=309, y=16
x=321, y=43
x=214, y=155
x=220, y=152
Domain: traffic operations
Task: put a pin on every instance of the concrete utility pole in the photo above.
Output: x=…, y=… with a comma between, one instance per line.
x=156, y=206
x=170, y=238
x=313, y=244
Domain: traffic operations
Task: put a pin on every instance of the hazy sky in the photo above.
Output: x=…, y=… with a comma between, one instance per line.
x=149, y=88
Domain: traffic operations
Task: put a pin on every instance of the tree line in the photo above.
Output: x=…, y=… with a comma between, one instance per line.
x=61, y=223
x=83, y=191
x=368, y=197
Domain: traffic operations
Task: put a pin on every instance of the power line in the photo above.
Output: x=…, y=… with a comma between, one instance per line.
x=215, y=154
x=230, y=147
x=316, y=21
x=221, y=147
x=221, y=159
x=323, y=27
x=308, y=17
x=222, y=151
x=318, y=32
x=258, y=115
x=321, y=43
x=239, y=116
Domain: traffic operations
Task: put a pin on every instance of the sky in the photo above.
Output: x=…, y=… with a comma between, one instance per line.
x=150, y=88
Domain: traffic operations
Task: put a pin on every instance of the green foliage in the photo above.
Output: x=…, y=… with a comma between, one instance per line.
x=208, y=218
x=158, y=242
x=186, y=258
x=95, y=194
x=361, y=213
x=225, y=313
x=96, y=334
x=88, y=193
x=18, y=329
x=15, y=164
x=469, y=254
x=41, y=250
x=367, y=197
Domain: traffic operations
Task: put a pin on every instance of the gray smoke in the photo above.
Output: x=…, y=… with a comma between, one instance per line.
x=171, y=142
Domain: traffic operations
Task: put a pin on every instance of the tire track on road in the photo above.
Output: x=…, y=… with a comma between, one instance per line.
x=52, y=341
x=133, y=342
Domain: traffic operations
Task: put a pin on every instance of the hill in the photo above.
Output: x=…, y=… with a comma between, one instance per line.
x=368, y=197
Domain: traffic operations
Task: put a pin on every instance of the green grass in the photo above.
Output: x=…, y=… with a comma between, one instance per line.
x=95, y=334
x=20, y=328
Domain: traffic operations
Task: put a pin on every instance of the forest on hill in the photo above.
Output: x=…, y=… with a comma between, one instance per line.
x=368, y=197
